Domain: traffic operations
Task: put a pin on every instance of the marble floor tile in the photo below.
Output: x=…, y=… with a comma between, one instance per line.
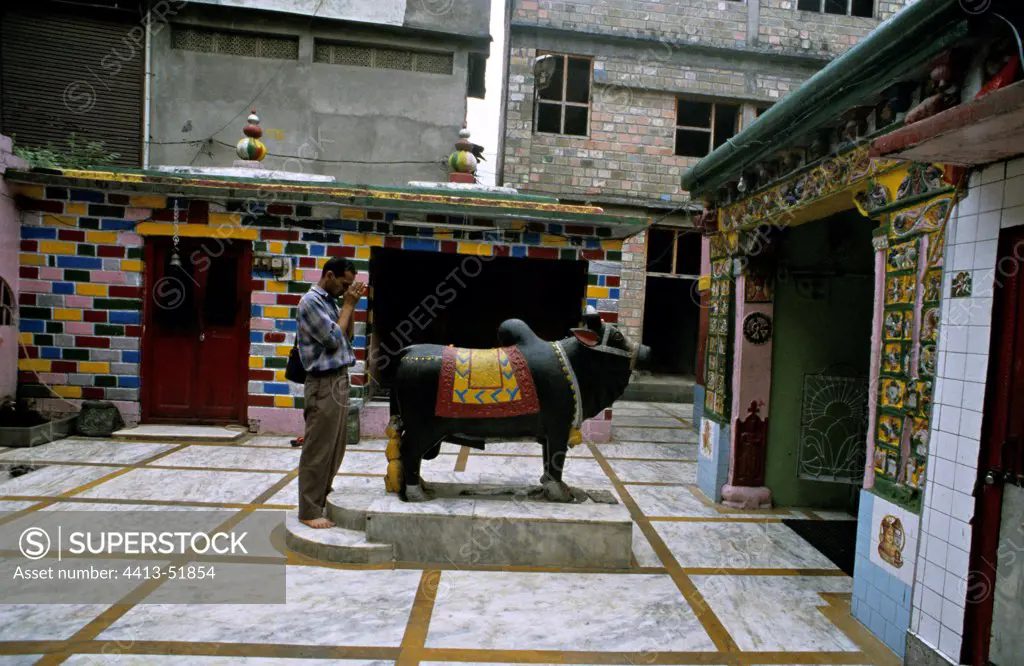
x=8, y=506
x=45, y=622
x=269, y=440
x=740, y=545
x=325, y=607
x=85, y=450
x=290, y=493
x=20, y=659
x=681, y=434
x=172, y=660
x=649, y=450
x=175, y=432
x=596, y=612
x=642, y=550
x=204, y=456
x=643, y=471
x=677, y=502
x=369, y=445
x=645, y=421
x=777, y=613
x=177, y=485
x=364, y=462
x=528, y=470
x=53, y=480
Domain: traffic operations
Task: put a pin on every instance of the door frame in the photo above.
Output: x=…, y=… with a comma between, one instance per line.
x=242, y=361
x=1007, y=324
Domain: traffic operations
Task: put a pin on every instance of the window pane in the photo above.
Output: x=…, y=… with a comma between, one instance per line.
x=809, y=5
x=865, y=8
x=692, y=143
x=693, y=114
x=554, y=88
x=659, y=250
x=578, y=86
x=549, y=118
x=221, y=302
x=835, y=7
x=688, y=254
x=576, y=120
x=726, y=121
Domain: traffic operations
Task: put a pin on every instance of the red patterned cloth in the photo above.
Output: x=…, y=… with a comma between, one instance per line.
x=485, y=383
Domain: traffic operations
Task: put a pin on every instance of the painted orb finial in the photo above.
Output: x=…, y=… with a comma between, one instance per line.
x=463, y=160
x=250, y=147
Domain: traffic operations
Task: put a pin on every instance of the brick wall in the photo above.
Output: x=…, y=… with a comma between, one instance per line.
x=783, y=27
x=631, y=295
x=81, y=275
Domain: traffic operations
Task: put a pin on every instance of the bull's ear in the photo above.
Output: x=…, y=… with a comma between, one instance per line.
x=586, y=336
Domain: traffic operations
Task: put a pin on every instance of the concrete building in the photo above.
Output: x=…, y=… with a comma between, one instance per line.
x=640, y=91
x=367, y=92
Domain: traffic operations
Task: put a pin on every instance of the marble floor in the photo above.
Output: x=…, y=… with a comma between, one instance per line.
x=709, y=585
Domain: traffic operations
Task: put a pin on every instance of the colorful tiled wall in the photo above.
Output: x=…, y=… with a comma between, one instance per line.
x=713, y=449
x=81, y=282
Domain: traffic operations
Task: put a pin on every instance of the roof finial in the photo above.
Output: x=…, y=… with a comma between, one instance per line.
x=250, y=147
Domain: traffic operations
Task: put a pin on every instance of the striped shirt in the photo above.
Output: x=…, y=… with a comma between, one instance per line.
x=323, y=346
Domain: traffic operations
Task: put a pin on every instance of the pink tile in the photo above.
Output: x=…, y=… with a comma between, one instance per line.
x=53, y=378
x=108, y=277
x=261, y=324
x=264, y=298
x=48, y=273
x=78, y=301
x=137, y=213
x=35, y=286
x=129, y=239
x=79, y=327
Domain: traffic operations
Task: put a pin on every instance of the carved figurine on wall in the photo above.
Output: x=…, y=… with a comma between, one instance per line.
x=751, y=440
x=891, y=540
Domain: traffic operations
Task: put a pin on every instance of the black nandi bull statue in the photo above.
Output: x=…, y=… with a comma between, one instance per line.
x=527, y=388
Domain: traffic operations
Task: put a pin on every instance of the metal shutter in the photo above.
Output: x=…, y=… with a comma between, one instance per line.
x=61, y=72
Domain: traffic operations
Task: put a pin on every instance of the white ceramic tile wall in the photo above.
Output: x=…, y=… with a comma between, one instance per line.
x=995, y=201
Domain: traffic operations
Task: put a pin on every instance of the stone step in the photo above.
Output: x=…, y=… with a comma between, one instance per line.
x=335, y=544
x=680, y=435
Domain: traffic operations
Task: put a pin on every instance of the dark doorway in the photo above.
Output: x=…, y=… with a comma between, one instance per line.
x=195, y=348
x=458, y=299
x=671, y=320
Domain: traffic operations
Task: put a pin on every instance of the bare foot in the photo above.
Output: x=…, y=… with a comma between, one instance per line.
x=317, y=523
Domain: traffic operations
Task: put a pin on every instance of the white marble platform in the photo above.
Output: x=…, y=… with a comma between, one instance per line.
x=74, y=450
x=178, y=433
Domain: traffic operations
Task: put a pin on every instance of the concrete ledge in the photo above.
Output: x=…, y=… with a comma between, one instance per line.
x=334, y=544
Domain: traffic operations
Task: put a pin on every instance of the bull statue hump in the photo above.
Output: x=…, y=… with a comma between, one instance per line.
x=525, y=388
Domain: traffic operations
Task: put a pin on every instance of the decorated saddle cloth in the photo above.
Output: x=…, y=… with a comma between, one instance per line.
x=485, y=383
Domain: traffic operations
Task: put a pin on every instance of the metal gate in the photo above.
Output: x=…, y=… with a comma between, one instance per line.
x=833, y=429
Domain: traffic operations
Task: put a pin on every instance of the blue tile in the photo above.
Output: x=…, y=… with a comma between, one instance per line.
x=896, y=588
x=127, y=382
x=555, y=229
x=390, y=217
x=877, y=625
x=31, y=325
x=420, y=244
x=90, y=263
x=902, y=618
x=41, y=233
x=130, y=357
x=613, y=293
x=592, y=301
x=531, y=238
x=896, y=638
x=592, y=244
x=363, y=304
x=276, y=389
x=256, y=336
x=359, y=341
x=49, y=352
x=126, y=317
x=63, y=288
x=601, y=280
x=342, y=225
x=887, y=609
x=117, y=225
x=91, y=196
x=518, y=251
x=317, y=251
x=874, y=599
x=257, y=311
x=286, y=325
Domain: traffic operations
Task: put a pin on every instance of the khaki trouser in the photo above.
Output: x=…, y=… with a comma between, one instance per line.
x=326, y=416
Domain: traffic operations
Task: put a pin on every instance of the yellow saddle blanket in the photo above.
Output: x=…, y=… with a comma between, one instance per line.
x=485, y=383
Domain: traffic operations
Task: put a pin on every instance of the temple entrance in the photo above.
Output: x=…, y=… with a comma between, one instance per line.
x=821, y=360
x=459, y=299
x=195, y=344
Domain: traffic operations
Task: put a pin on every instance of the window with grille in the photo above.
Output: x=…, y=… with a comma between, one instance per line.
x=563, y=106
x=862, y=8
x=202, y=40
x=703, y=126
x=382, y=57
x=673, y=252
x=8, y=308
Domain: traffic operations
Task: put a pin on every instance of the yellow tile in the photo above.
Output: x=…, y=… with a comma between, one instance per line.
x=94, y=366
x=613, y=245
x=284, y=401
x=321, y=262
x=34, y=364
x=56, y=247
x=374, y=240
x=31, y=191
x=352, y=214
x=87, y=289
x=76, y=209
x=109, y=237
x=549, y=239
x=64, y=314
x=275, y=312
x=230, y=219
x=25, y=338
x=60, y=220
x=31, y=259
x=443, y=234
x=149, y=201
x=279, y=376
x=594, y=291
x=131, y=265
x=283, y=350
x=255, y=361
x=362, y=253
x=479, y=249
x=354, y=240
x=68, y=391
x=276, y=287
x=275, y=247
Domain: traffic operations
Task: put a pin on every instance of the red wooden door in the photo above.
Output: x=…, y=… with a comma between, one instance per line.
x=1001, y=463
x=196, y=341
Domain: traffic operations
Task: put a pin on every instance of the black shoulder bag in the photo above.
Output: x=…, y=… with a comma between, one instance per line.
x=295, y=372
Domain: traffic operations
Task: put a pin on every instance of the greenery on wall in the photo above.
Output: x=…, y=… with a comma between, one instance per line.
x=77, y=154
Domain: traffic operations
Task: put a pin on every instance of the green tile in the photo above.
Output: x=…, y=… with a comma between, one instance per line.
x=109, y=329
x=300, y=403
x=85, y=250
x=105, y=381
x=36, y=313
x=117, y=304
x=54, y=327
x=34, y=391
x=591, y=279
x=298, y=287
x=614, y=256
x=259, y=246
x=275, y=362
x=135, y=253
x=296, y=248
x=75, y=275
x=42, y=340
x=567, y=253
x=75, y=354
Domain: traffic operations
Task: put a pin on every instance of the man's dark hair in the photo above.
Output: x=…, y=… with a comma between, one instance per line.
x=339, y=266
